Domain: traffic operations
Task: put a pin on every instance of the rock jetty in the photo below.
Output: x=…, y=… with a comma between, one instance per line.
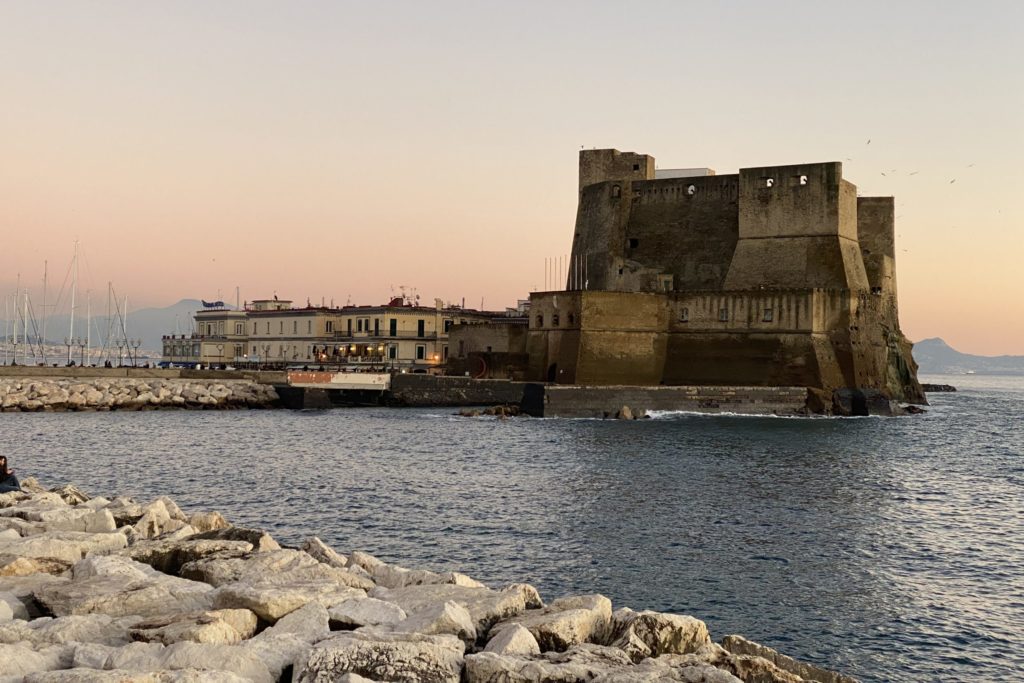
x=98, y=393
x=98, y=589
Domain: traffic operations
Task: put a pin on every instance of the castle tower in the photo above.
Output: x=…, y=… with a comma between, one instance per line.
x=797, y=229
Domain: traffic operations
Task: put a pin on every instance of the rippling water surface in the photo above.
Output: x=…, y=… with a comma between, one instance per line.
x=890, y=549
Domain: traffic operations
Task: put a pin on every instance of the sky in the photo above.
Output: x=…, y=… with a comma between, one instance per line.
x=337, y=151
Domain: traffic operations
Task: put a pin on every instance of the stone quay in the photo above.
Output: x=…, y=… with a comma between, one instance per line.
x=97, y=589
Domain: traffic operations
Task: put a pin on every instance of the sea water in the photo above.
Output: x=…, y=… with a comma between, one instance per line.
x=890, y=549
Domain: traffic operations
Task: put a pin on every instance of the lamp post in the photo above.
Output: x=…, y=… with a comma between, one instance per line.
x=81, y=342
x=135, y=344
x=69, y=343
x=220, y=353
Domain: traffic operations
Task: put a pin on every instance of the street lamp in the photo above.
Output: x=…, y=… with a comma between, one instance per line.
x=220, y=353
x=69, y=343
x=135, y=344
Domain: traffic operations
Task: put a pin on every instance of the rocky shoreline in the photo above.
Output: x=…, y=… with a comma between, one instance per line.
x=102, y=393
x=97, y=589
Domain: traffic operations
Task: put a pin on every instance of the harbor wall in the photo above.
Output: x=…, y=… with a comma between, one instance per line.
x=605, y=401
x=434, y=390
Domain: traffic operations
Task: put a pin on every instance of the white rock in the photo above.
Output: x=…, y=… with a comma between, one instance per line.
x=448, y=618
x=651, y=634
x=271, y=601
x=219, y=627
x=117, y=586
x=384, y=656
x=357, y=612
x=15, y=608
x=91, y=628
x=20, y=660
x=486, y=606
x=566, y=622
x=513, y=640
x=69, y=546
x=322, y=552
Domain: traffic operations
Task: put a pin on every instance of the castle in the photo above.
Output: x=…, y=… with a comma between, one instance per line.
x=775, y=276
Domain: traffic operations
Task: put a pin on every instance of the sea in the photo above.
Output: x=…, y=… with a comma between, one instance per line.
x=889, y=549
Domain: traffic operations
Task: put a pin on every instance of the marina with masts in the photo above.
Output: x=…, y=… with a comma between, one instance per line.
x=93, y=341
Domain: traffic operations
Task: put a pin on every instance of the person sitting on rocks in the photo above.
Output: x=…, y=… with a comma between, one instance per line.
x=8, y=482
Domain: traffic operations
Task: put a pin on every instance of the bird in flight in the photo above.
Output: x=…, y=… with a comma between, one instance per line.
x=952, y=181
x=914, y=173
x=868, y=142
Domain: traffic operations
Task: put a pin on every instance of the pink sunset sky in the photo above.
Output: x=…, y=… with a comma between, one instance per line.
x=338, y=150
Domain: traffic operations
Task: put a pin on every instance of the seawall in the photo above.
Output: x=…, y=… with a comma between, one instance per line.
x=114, y=589
x=129, y=393
x=601, y=402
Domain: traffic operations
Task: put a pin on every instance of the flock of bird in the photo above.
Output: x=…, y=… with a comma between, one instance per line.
x=909, y=174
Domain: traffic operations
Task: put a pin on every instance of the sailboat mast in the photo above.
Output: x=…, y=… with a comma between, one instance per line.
x=46, y=268
x=74, y=290
x=88, y=326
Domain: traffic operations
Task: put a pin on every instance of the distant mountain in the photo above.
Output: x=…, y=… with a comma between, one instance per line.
x=936, y=357
x=147, y=324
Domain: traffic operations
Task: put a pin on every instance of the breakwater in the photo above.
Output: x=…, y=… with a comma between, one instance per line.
x=33, y=394
x=112, y=589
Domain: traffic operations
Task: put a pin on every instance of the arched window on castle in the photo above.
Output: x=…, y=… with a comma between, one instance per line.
x=540, y=321
x=684, y=315
x=616, y=191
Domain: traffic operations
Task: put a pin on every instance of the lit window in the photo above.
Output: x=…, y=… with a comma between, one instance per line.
x=768, y=316
x=684, y=315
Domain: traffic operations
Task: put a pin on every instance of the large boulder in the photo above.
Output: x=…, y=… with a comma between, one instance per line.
x=566, y=622
x=89, y=628
x=738, y=645
x=188, y=655
x=484, y=605
x=321, y=552
x=384, y=656
x=12, y=565
x=69, y=546
x=20, y=659
x=168, y=556
x=290, y=639
x=271, y=600
x=513, y=640
x=117, y=586
x=268, y=567
x=219, y=627
x=260, y=540
x=355, y=612
x=445, y=618
x=651, y=634
x=579, y=663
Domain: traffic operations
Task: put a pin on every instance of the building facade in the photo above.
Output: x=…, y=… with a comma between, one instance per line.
x=400, y=335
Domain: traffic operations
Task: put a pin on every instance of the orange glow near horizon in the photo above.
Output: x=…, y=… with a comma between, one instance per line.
x=339, y=151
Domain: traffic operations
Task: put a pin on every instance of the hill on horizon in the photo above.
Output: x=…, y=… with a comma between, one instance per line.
x=934, y=356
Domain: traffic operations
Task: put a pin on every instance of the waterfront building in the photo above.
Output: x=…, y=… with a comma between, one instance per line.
x=400, y=335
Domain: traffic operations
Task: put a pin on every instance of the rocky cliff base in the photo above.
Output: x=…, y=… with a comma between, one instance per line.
x=97, y=589
x=17, y=395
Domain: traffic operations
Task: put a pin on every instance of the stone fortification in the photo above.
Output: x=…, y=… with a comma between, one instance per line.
x=117, y=393
x=775, y=276
x=97, y=589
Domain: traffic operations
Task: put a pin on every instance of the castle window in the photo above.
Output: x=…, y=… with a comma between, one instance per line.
x=572, y=320
x=636, y=167
x=540, y=321
x=692, y=189
x=684, y=315
x=723, y=315
x=616, y=191
x=803, y=180
x=768, y=182
x=554, y=320
x=768, y=315
x=634, y=242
